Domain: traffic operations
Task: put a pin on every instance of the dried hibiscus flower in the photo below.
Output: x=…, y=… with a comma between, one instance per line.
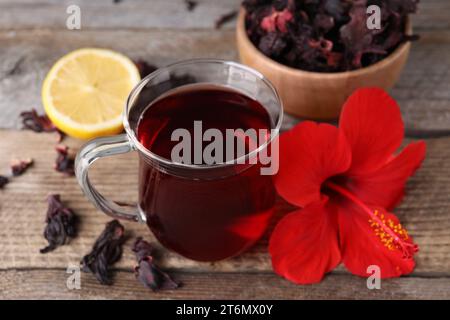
x=3, y=181
x=326, y=35
x=144, y=67
x=65, y=162
x=18, y=167
x=147, y=272
x=61, y=224
x=106, y=251
x=31, y=120
x=227, y=17
x=190, y=4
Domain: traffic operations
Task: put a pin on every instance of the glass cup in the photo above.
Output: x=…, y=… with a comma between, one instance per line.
x=203, y=212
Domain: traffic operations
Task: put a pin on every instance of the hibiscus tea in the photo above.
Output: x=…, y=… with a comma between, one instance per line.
x=205, y=216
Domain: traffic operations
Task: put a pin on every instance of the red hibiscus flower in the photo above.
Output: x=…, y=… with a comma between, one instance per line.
x=345, y=180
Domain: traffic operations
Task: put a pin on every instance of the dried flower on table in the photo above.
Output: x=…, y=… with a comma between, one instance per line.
x=326, y=35
x=144, y=68
x=18, y=167
x=142, y=248
x=38, y=123
x=190, y=4
x=61, y=224
x=106, y=251
x=3, y=181
x=65, y=162
x=225, y=18
x=31, y=120
x=147, y=272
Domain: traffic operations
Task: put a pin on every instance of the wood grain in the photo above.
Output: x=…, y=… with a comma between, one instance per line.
x=26, y=56
x=145, y=14
x=432, y=15
x=51, y=284
x=425, y=211
x=104, y=14
x=423, y=91
x=33, y=35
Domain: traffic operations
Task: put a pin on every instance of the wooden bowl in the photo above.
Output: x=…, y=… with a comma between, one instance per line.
x=315, y=95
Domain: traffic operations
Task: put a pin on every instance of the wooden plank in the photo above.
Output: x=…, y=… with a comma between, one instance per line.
x=424, y=212
x=423, y=90
x=51, y=284
x=104, y=14
x=144, y=14
x=25, y=57
x=432, y=15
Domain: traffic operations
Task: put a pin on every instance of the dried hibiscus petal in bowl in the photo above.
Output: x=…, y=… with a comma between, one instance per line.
x=326, y=35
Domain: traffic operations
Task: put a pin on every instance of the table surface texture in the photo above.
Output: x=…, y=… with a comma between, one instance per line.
x=33, y=35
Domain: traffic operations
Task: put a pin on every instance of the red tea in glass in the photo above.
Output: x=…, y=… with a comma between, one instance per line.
x=203, y=219
x=203, y=211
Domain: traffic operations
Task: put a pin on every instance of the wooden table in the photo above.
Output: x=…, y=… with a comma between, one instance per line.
x=33, y=35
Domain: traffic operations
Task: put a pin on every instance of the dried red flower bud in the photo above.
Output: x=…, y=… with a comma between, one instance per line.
x=272, y=43
x=106, y=251
x=142, y=248
x=18, y=167
x=190, y=5
x=65, y=162
x=38, y=123
x=3, y=181
x=31, y=120
x=225, y=18
x=147, y=272
x=61, y=224
x=144, y=68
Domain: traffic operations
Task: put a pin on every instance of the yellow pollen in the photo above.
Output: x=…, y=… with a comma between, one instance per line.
x=387, y=239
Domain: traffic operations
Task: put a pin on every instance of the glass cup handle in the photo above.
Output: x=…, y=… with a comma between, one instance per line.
x=96, y=149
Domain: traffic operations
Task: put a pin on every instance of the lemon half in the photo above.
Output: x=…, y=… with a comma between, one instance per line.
x=85, y=92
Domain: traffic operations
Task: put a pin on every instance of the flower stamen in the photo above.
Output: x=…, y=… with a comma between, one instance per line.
x=395, y=239
x=392, y=235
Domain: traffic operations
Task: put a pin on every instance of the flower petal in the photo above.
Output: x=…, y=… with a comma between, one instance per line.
x=385, y=186
x=372, y=122
x=309, y=154
x=361, y=247
x=304, y=245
